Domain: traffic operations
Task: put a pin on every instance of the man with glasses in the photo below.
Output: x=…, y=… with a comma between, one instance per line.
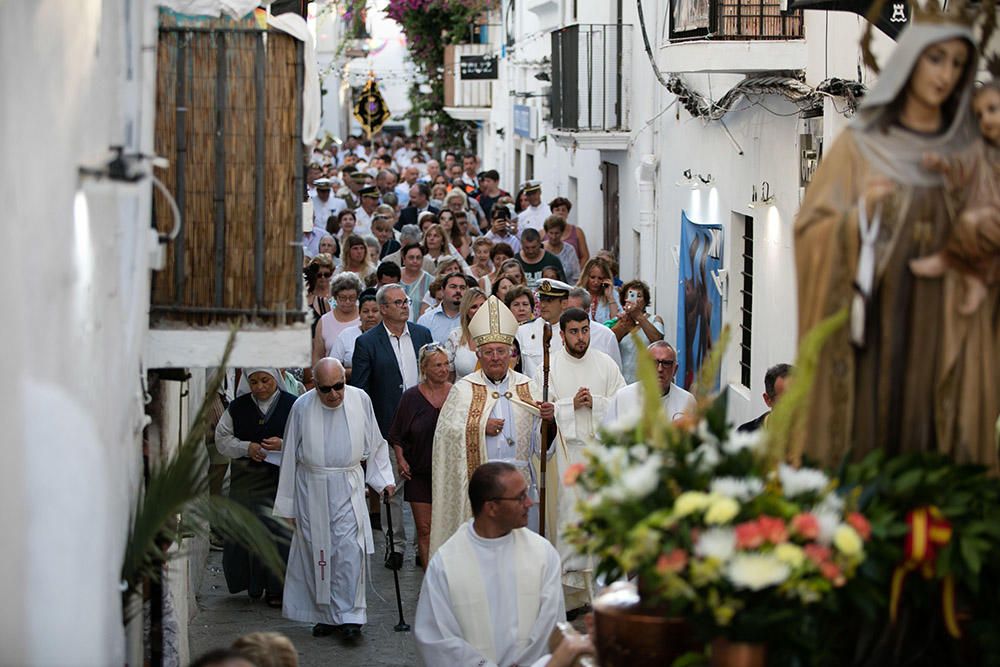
x=331, y=429
x=676, y=401
x=384, y=365
x=491, y=595
x=493, y=414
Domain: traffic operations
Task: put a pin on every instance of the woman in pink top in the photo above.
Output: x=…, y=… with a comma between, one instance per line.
x=573, y=235
x=345, y=289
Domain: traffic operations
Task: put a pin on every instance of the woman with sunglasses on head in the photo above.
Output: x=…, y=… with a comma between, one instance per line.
x=318, y=273
x=345, y=289
x=412, y=437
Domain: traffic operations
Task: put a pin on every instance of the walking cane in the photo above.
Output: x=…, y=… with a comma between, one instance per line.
x=394, y=561
x=546, y=339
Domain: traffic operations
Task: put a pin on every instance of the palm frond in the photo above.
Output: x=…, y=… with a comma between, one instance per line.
x=178, y=487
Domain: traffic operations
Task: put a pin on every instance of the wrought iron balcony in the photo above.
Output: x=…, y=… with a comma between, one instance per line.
x=589, y=67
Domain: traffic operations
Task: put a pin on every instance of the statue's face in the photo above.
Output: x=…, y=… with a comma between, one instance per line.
x=987, y=109
x=938, y=72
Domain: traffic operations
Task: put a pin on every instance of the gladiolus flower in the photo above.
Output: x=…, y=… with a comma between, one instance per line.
x=572, y=473
x=859, y=523
x=690, y=502
x=722, y=510
x=847, y=540
x=675, y=561
x=748, y=535
x=817, y=553
x=773, y=529
x=805, y=525
x=832, y=573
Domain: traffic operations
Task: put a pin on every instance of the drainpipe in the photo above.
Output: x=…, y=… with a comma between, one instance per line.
x=646, y=178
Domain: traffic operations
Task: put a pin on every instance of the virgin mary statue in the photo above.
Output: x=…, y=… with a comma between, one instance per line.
x=908, y=373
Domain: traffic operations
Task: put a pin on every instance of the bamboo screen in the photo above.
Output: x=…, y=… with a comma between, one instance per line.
x=210, y=128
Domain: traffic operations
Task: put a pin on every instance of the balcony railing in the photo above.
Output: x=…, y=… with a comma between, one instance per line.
x=734, y=20
x=589, y=67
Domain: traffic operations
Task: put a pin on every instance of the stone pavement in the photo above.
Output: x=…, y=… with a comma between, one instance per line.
x=222, y=617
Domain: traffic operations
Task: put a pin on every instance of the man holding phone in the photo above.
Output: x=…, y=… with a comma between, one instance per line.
x=501, y=229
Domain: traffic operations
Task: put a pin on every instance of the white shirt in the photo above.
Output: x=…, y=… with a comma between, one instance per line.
x=364, y=222
x=322, y=210
x=533, y=217
x=343, y=347
x=406, y=356
x=628, y=403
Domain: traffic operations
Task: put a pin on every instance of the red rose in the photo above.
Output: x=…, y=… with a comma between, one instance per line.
x=860, y=524
x=749, y=535
x=805, y=525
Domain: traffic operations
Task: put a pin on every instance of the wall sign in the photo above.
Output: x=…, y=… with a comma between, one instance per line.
x=522, y=121
x=472, y=68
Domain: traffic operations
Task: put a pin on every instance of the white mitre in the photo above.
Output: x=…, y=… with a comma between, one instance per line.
x=493, y=323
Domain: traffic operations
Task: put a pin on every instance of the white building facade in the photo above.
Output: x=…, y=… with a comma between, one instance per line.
x=631, y=157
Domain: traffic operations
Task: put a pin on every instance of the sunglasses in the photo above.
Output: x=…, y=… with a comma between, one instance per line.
x=323, y=274
x=333, y=387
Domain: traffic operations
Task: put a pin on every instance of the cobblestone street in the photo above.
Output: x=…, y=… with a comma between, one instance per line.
x=222, y=617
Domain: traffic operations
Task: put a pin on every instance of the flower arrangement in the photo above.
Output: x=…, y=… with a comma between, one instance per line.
x=713, y=527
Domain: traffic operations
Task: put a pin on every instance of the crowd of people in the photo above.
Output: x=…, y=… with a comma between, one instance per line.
x=432, y=293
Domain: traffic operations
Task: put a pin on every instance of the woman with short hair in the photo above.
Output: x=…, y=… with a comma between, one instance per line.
x=411, y=436
x=635, y=299
x=345, y=289
x=369, y=316
x=521, y=302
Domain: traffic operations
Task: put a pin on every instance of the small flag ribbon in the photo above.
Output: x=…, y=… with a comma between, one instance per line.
x=929, y=533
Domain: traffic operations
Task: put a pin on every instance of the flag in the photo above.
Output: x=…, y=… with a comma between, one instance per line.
x=370, y=108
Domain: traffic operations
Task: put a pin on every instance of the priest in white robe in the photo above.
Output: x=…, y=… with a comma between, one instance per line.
x=582, y=383
x=492, y=414
x=491, y=596
x=677, y=402
x=330, y=431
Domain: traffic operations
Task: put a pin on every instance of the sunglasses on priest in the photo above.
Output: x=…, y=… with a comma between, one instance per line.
x=333, y=387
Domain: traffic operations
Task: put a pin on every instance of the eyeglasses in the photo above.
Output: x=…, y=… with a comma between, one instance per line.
x=399, y=303
x=666, y=363
x=333, y=387
x=495, y=354
x=323, y=274
x=523, y=496
x=346, y=298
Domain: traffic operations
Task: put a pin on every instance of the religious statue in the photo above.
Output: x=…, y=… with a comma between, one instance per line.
x=910, y=372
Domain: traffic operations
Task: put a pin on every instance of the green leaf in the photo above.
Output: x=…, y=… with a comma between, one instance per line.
x=971, y=554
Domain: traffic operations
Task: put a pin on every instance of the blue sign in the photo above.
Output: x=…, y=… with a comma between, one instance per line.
x=522, y=121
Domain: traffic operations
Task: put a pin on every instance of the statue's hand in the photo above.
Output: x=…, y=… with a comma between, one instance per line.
x=878, y=189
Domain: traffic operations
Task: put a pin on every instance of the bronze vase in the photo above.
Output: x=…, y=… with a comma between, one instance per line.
x=630, y=635
x=738, y=654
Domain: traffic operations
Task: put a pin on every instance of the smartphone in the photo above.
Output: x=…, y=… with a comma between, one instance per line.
x=633, y=295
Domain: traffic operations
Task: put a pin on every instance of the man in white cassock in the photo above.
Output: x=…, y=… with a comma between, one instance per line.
x=492, y=414
x=331, y=429
x=555, y=296
x=491, y=595
x=677, y=402
x=582, y=382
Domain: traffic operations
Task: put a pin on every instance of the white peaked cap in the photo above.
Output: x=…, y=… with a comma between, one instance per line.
x=493, y=323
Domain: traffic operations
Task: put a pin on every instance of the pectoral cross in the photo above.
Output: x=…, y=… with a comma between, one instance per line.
x=322, y=566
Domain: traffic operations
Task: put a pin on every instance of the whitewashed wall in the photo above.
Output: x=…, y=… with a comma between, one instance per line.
x=73, y=81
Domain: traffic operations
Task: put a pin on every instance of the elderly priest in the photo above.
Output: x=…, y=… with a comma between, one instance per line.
x=330, y=431
x=492, y=414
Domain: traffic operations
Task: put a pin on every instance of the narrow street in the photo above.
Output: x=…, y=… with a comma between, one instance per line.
x=222, y=617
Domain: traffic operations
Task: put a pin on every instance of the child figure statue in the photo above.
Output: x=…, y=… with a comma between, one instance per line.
x=973, y=178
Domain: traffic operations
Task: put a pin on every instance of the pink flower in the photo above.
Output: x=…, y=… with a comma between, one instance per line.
x=773, y=529
x=572, y=473
x=817, y=553
x=832, y=573
x=860, y=524
x=675, y=561
x=749, y=535
x=805, y=525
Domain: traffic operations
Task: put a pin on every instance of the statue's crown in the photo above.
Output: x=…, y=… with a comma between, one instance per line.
x=959, y=12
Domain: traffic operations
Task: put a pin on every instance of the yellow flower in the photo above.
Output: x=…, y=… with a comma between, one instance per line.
x=690, y=502
x=847, y=540
x=721, y=510
x=790, y=554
